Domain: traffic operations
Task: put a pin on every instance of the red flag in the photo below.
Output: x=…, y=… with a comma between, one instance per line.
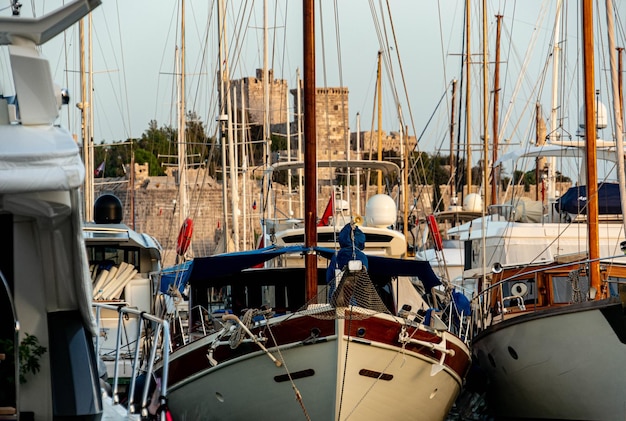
x=328, y=212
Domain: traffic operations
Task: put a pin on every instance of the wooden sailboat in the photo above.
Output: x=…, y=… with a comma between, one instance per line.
x=277, y=343
x=551, y=336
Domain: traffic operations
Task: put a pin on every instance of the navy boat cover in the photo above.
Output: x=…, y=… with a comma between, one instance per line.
x=574, y=201
x=204, y=269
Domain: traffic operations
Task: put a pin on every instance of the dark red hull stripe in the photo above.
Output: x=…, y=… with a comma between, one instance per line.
x=309, y=330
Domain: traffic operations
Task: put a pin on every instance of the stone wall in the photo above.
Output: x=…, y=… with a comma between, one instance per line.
x=156, y=212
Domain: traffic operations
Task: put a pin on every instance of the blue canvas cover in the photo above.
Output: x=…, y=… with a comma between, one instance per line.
x=206, y=269
x=176, y=276
x=574, y=201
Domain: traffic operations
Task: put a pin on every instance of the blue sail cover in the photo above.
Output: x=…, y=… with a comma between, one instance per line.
x=574, y=201
x=176, y=276
x=205, y=269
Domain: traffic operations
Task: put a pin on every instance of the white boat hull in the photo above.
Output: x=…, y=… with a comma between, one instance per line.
x=336, y=380
x=562, y=363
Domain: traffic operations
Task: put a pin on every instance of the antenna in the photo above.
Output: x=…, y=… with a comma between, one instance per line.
x=15, y=7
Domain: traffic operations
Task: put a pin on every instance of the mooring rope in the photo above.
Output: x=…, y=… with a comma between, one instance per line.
x=293, y=385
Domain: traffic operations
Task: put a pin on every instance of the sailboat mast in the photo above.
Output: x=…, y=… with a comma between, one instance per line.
x=379, y=95
x=288, y=127
x=182, y=145
x=485, y=112
x=244, y=170
x=496, y=113
x=310, y=149
x=556, y=56
x=620, y=51
x=84, y=104
x=266, y=127
x=590, y=144
x=468, y=121
x=299, y=137
x=358, y=170
x=617, y=109
x=453, y=200
x=223, y=76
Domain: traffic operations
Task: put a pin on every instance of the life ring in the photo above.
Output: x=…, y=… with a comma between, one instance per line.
x=434, y=231
x=184, y=237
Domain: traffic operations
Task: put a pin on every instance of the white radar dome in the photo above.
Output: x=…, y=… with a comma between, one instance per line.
x=472, y=203
x=601, y=118
x=380, y=211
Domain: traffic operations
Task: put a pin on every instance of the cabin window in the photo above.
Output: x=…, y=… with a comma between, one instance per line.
x=617, y=286
x=269, y=296
x=572, y=288
x=523, y=288
x=113, y=255
x=218, y=299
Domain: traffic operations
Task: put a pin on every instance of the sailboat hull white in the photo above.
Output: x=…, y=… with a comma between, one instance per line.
x=557, y=364
x=354, y=378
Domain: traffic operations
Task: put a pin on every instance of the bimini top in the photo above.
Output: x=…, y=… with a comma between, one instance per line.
x=206, y=270
x=387, y=167
x=557, y=151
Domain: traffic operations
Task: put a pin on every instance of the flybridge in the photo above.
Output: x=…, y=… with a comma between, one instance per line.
x=39, y=99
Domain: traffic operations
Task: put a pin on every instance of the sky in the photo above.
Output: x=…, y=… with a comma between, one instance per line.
x=134, y=44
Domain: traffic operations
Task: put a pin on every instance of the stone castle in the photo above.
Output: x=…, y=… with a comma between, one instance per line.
x=155, y=198
x=334, y=135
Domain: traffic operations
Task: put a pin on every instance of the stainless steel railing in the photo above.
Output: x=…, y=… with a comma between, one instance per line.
x=157, y=349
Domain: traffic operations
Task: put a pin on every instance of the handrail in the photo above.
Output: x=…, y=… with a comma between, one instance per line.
x=159, y=341
x=542, y=269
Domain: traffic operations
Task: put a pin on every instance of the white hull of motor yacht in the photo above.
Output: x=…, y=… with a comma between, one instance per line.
x=560, y=363
x=449, y=263
x=511, y=243
x=331, y=378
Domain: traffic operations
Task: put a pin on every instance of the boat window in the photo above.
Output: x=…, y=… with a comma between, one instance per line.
x=572, y=288
x=617, y=286
x=113, y=255
x=269, y=295
x=217, y=298
x=523, y=288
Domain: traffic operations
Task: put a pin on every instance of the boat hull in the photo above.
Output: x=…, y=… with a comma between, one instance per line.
x=562, y=363
x=335, y=376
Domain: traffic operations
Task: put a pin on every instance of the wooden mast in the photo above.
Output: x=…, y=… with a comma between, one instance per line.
x=496, y=115
x=590, y=144
x=310, y=150
x=468, y=131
